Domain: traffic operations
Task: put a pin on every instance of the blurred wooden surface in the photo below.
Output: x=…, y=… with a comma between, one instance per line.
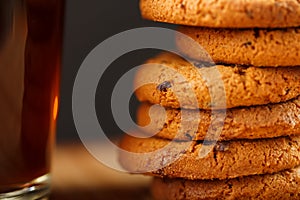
x=77, y=175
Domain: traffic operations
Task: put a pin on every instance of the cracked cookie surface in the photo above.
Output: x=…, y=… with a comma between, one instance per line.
x=253, y=122
x=227, y=159
x=257, y=47
x=224, y=13
x=180, y=84
x=283, y=185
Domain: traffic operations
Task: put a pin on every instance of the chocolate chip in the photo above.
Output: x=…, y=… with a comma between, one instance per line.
x=287, y=91
x=164, y=86
x=246, y=44
x=221, y=146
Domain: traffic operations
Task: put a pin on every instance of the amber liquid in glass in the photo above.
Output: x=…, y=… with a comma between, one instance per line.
x=30, y=59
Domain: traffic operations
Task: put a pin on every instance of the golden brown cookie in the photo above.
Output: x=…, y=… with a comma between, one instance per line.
x=258, y=47
x=255, y=122
x=226, y=160
x=280, y=186
x=174, y=82
x=224, y=13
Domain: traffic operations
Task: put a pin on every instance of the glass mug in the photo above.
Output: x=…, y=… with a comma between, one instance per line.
x=30, y=59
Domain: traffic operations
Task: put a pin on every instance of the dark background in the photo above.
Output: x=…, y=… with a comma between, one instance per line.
x=88, y=23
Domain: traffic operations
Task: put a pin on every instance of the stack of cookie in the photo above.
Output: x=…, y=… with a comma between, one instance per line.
x=254, y=49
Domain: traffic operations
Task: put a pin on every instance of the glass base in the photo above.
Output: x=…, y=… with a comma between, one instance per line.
x=38, y=189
